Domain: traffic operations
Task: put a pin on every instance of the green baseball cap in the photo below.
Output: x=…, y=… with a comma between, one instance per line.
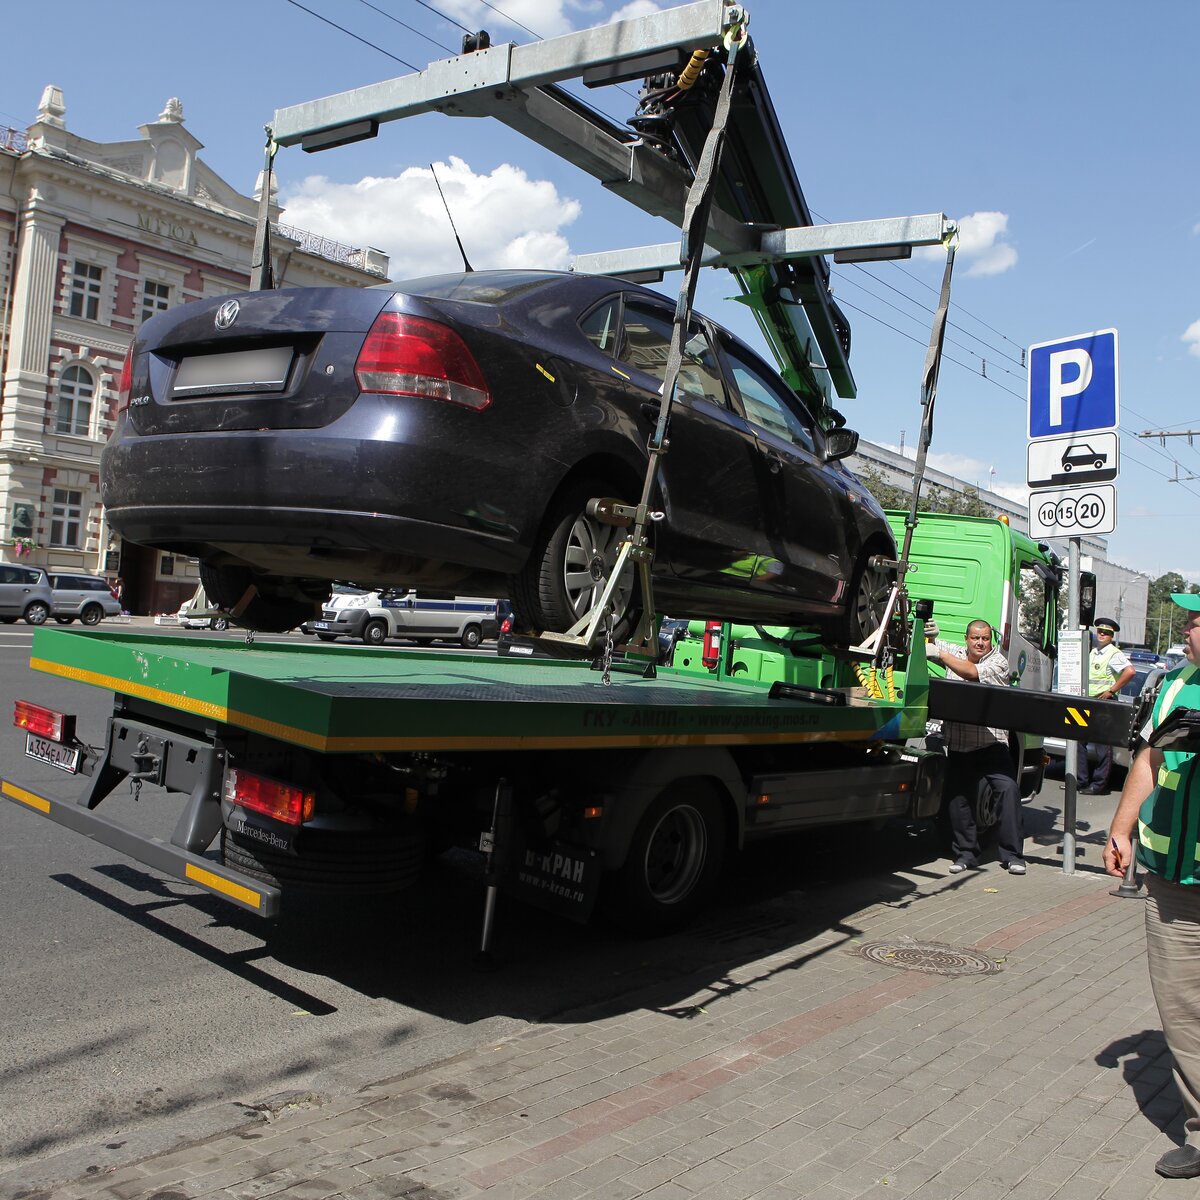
x=1188, y=600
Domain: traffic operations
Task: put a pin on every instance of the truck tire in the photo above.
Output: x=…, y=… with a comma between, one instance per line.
x=674, y=860
x=329, y=863
x=374, y=633
x=471, y=637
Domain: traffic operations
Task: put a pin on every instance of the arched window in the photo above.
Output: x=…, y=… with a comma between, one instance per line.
x=76, y=388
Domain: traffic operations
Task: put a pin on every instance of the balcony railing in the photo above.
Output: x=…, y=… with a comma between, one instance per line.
x=327, y=248
x=13, y=139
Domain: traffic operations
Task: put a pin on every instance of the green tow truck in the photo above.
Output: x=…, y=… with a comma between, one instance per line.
x=339, y=769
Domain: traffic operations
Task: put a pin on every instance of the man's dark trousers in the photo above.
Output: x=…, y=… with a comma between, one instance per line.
x=1098, y=777
x=968, y=772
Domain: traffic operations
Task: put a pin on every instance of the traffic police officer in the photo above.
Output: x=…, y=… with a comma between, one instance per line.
x=1109, y=672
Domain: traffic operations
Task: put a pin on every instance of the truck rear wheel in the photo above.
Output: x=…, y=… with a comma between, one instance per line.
x=674, y=860
x=331, y=863
x=374, y=633
x=471, y=637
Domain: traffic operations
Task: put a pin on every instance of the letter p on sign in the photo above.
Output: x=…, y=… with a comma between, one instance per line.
x=1073, y=385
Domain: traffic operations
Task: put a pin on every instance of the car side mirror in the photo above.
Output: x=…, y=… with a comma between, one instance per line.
x=840, y=443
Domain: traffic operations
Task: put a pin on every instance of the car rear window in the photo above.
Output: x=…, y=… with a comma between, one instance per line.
x=494, y=287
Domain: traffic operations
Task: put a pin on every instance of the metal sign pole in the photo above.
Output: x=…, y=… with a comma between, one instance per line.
x=1070, y=782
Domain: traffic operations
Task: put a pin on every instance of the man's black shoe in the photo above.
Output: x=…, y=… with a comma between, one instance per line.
x=1093, y=790
x=1183, y=1163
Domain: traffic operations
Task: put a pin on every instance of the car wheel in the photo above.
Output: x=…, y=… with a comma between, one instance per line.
x=1067, y=467
x=93, y=614
x=64, y=620
x=374, y=633
x=471, y=637
x=218, y=623
x=866, y=601
x=674, y=859
x=567, y=567
x=36, y=613
x=277, y=606
x=1098, y=463
x=327, y=637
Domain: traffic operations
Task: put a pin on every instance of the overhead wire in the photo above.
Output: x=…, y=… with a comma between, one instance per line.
x=355, y=36
x=410, y=28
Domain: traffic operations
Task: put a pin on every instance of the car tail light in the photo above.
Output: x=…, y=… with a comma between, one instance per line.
x=410, y=356
x=283, y=801
x=125, y=386
x=45, y=722
x=506, y=625
x=710, y=652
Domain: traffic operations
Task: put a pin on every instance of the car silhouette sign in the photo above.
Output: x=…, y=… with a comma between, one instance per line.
x=1054, y=462
x=1080, y=454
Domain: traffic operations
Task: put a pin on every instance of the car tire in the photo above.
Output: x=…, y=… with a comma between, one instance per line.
x=36, y=613
x=674, y=860
x=866, y=600
x=1098, y=464
x=92, y=614
x=1067, y=467
x=471, y=637
x=559, y=582
x=64, y=620
x=271, y=610
x=327, y=637
x=374, y=633
x=218, y=623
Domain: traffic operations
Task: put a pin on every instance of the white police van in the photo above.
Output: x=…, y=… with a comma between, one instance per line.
x=373, y=617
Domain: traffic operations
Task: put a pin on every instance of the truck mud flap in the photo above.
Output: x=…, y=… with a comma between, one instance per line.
x=242, y=890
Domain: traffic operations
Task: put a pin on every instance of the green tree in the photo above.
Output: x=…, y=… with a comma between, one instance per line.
x=1163, y=616
x=934, y=498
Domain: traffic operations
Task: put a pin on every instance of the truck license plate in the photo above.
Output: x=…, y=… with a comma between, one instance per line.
x=65, y=758
x=319, y=624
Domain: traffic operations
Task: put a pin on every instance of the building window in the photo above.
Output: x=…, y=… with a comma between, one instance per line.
x=156, y=298
x=166, y=565
x=66, y=520
x=85, y=291
x=76, y=389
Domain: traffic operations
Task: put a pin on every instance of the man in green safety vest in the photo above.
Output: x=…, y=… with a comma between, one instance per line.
x=1161, y=802
x=1109, y=671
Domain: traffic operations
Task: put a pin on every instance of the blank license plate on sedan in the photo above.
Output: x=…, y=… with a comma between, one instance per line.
x=241, y=371
x=65, y=758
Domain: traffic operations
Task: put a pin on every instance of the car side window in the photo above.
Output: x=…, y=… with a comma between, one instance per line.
x=648, y=342
x=8, y=574
x=765, y=402
x=602, y=325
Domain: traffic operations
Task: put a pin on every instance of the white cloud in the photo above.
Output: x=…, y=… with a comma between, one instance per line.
x=981, y=245
x=523, y=20
x=505, y=219
x=1191, y=336
x=980, y=241
x=635, y=8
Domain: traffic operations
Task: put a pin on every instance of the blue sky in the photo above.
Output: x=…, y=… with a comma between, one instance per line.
x=1064, y=132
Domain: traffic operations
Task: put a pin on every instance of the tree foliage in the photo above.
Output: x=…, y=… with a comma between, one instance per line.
x=1163, y=616
x=934, y=498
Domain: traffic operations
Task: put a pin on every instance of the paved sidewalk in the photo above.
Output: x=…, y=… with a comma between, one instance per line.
x=828, y=1069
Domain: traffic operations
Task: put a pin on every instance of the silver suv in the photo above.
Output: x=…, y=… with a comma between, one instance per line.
x=24, y=592
x=86, y=597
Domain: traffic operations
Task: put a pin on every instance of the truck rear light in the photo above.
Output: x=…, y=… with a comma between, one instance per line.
x=45, y=722
x=283, y=801
x=125, y=386
x=410, y=356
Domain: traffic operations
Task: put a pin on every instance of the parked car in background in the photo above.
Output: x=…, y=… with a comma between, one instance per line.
x=447, y=434
x=199, y=612
x=1175, y=656
x=1144, y=658
x=86, y=598
x=24, y=592
x=373, y=617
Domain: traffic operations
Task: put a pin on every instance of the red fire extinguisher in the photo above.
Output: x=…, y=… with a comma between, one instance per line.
x=711, y=652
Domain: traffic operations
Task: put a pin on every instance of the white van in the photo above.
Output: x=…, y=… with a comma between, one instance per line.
x=374, y=617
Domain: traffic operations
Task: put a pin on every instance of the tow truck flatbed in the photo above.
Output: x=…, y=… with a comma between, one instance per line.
x=347, y=700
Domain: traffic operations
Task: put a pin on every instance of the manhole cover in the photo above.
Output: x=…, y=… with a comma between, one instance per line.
x=932, y=958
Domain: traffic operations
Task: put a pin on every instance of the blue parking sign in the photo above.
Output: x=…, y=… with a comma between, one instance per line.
x=1073, y=385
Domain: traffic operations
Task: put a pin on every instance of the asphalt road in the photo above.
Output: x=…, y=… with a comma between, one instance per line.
x=137, y=1009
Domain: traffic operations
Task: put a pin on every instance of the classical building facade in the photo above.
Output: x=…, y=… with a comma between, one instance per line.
x=95, y=238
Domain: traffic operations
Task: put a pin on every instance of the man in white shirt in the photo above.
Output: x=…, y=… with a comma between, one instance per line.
x=978, y=757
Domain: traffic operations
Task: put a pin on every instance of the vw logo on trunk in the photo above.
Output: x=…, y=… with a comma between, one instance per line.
x=227, y=314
